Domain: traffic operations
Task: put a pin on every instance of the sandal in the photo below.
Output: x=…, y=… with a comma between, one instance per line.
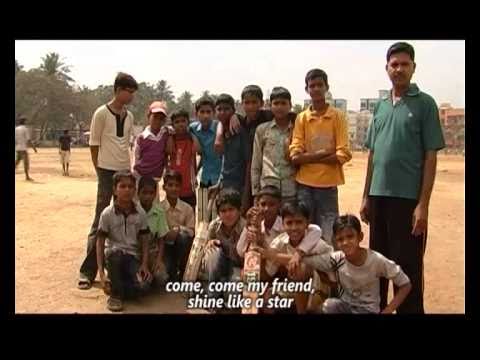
x=84, y=284
x=114, y=304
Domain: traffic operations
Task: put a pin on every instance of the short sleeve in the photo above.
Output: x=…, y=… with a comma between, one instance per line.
x=104, y=222
x=388, y=269
x=96, y=127
x=432, y=135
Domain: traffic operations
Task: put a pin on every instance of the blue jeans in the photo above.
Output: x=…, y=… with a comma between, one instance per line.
x=176, y=256
x=122, y=272
x=104, y=196
x=323, y=204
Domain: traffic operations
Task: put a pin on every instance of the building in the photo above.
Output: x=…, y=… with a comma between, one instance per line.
x=382, y=94
x=368, y=104
x=453, y=125
x=307, y=103
x=363, y=120
x=340, y=104
x=352, y=128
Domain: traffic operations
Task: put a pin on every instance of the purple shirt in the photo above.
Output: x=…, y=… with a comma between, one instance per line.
x=150, y=152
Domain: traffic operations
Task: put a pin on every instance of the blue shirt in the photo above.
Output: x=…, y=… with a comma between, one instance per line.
x=211, y=161
x=235, y=160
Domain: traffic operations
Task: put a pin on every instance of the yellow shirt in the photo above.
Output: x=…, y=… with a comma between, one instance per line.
x=313, y=132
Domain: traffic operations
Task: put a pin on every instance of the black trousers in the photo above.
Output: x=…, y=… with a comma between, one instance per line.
x=391, y=227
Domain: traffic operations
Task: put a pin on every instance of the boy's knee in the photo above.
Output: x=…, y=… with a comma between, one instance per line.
x=331, y=306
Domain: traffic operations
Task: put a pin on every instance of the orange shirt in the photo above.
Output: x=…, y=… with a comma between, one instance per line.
x=183, y=161
x=313, y=132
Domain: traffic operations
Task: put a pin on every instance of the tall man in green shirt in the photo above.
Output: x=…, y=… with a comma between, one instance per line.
x=403, y=138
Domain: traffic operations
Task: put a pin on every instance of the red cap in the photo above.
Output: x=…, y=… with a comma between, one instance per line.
x=158, y=106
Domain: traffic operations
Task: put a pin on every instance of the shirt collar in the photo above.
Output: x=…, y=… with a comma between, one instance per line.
x=277, y=225
x=147, y=132
x=328, y=114
x=120, y=211
x=274, y=124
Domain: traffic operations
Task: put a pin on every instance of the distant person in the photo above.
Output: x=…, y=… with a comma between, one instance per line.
x=110, y=131
x=403, y=138
x=65, y=142
x=22, y=140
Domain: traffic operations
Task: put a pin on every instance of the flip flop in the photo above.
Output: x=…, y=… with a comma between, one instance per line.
x=114, y=304
x=84, y=284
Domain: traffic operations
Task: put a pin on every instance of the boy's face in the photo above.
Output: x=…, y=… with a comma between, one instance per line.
x=146, y=196
x=348, y=240
x=280, y=108
x=229, y=215
x=180, y=125
x=269, y=206
x=172, y=188
x=125, y=190
x=205, y=114
x=317, y=88
x=295, y=226
x=224, y=113
x=156, y=120
x=400, y=69
x=251, y=105
x=125, y=95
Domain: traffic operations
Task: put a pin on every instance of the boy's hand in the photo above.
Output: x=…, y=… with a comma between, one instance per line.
x=171, y=236
x=145, y=273
x=213, y=242
x=218, y=145
x=364, y=215
x=212, y=191
x=294, y=263
x=159, y=266
x=235, y=124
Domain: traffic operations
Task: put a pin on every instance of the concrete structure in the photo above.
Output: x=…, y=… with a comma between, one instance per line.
x=453, y=125
x=368, y=104
x=363, y=120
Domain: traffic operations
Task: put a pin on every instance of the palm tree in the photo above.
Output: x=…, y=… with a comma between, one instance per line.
x=53, y=66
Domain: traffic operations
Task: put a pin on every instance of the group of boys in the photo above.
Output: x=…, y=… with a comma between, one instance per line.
x=274, y=165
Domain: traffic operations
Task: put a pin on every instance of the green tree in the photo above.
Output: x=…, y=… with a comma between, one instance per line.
x=185, y=102
x=53, y=66
x=18, y=67
x=298, y=108
x=163, y=92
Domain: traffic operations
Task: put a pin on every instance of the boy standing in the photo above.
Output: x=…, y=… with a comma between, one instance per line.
x=65, y=142
x=150, y=146
x=124, y=227
x=110, y=131
x=183, y=150
x=181, y=224
x=22, y=139
x=320, y=147
x=269, y=163
x=204, y=130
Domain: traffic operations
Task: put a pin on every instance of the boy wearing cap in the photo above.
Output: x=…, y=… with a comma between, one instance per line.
x=150, y=145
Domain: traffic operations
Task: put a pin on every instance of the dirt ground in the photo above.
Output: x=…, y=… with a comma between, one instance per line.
x=54, y=213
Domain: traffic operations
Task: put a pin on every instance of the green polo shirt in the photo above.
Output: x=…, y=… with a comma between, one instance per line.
x=157, y=223
x=399, y=135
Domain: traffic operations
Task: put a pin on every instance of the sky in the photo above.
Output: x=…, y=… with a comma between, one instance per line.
x=355, y=68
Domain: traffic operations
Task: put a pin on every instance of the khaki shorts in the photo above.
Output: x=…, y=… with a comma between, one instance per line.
x=64, y=156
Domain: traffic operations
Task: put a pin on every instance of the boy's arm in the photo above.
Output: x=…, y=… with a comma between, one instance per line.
x=219, y=142
x=364, y=208
x=196, y=144
x=398, y=299
x=298, y=138
x=101, y=236
x=257, y=157
x=189, y=226
x=324, y=262
x=388, y=269
x=96, y=129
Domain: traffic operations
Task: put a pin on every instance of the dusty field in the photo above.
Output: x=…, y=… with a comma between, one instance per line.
x=54, y=213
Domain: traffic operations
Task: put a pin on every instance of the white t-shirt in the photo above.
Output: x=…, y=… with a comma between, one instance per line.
x=22, y=135
x=114, y=143
x=359, y=286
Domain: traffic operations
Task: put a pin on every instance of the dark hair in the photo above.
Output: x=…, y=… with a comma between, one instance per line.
x=225, y=99
x=65, y=131
x=204, y=100
x=22, y=119
x=347, y=221
x=124, y=81
x=270, y=190
x=316, y=73
x=252, y=90
x=147, y=181
x=279, y=92
x=172, y=175
x=119, y=175
x=228, y=196
x=401, y=47
x=295, y=207
x=180, y=113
